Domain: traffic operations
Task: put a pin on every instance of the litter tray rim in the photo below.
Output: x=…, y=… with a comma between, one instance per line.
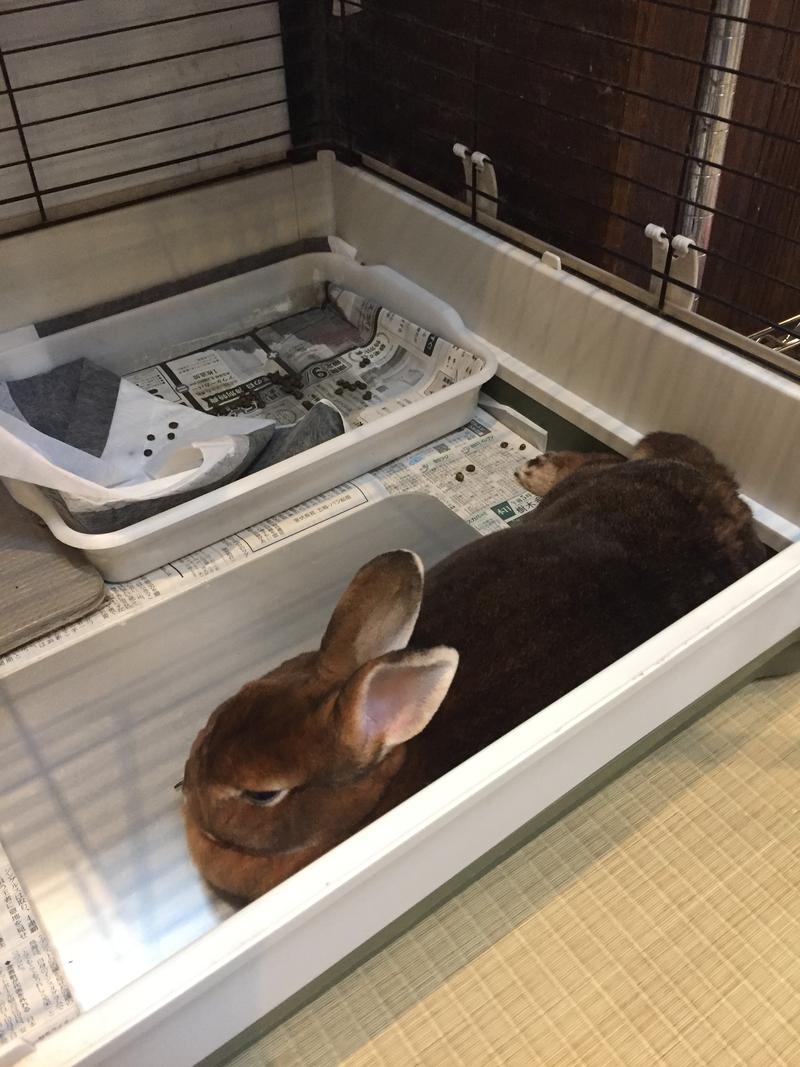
x=35, y=499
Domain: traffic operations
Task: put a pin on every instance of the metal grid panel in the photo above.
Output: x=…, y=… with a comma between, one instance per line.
x=599, y=119
x=103, y=102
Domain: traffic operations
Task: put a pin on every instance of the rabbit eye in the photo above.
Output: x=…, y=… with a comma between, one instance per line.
x=265, y=798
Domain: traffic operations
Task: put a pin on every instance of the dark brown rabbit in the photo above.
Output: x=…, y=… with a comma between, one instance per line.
x=407, y=685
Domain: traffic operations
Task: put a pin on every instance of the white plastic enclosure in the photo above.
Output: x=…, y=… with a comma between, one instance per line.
x=94, y=737
x=600, y=362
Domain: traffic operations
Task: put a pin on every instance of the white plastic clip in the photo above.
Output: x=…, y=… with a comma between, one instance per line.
x=551, y=260
x=460, y=151
x=684, y=266
x=342, y=248
x=682, y=246
x=656, y=233
x=486, y=183
x=478, y=166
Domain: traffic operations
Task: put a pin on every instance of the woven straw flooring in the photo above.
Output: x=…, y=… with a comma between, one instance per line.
x=657, y=923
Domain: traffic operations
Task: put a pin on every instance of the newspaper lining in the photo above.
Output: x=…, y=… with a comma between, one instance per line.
x=363, y=358
x=34, y=995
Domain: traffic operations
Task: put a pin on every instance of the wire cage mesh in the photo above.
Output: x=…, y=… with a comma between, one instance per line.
x=103, y=102
x=599, y=120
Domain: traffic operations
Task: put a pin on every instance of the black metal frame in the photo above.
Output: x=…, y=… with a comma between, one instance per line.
x=323, y=46
x=448, y=119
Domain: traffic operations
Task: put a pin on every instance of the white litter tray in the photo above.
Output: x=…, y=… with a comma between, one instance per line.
x=94, y=737
x=135, y=339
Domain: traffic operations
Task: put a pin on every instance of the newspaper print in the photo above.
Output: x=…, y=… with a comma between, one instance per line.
x=34, y=995
x=363, y=358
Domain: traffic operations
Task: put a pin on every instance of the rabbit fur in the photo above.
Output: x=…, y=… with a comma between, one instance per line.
x=410, y=681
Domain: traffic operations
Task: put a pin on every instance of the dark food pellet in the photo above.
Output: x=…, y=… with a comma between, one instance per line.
x=307, y=405
x=504, y=444
x=368, y=395
x=522, y=447
x=148, y=451
x=460, y=477
x=173, y=426
x=471, y=467
x=361, y=385
x=339, y=391
x=170, y=436
x=151, y=437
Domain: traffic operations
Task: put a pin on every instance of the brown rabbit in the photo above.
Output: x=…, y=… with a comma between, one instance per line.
x=299, y=759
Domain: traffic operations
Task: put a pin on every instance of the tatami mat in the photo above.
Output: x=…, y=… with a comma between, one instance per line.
x=657, y=923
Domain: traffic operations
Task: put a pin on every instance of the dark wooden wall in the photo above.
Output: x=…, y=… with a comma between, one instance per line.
x=757, y=227
x=586, y=111
x=305, y=53
x=656, y=126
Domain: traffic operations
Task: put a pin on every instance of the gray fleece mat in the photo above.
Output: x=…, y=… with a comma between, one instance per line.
x=43, y=584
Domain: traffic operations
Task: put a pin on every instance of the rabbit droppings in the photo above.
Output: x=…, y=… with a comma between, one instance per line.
x=407, y=684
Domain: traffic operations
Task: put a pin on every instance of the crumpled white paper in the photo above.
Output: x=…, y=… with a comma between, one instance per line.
x=201, y=444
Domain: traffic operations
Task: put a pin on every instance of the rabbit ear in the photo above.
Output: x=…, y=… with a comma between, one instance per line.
x=391, y=700
x=376, y=613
